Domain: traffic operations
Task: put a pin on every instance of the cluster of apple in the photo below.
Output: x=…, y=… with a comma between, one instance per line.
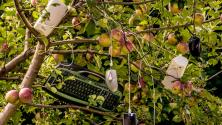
x=4, y=47
x=24, y=96
x=182, y=46
x=186, y=88
x=122, y=44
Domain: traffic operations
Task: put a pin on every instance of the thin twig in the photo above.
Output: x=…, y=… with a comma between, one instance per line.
x=73, y=41
x=172, y=27
x=126, y=3
x=10, y=78
x=74, y=107
x=214, y=75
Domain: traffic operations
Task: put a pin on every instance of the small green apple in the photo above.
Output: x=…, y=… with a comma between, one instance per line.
x=104, y=40
x=149, y=37
x=12, y=96
x=199, y=19
x=174, y=8
x=58, y=57
x=114, y=51
x=182, y=47
x=171, y=39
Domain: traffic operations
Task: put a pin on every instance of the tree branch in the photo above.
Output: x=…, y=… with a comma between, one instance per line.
x=14, y=62
x=214, y=75
x=126, y=3
x=27, y=81
x=73, y=41
x=173, y=27
x=26, y=22
x=71, y=106
x=10, y=78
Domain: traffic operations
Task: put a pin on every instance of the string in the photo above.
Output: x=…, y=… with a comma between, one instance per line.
x=154, y=103
x=129, y=110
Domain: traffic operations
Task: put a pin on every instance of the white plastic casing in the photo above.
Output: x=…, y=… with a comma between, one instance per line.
x=111, y=80
x=51, y=17
x=175, y=70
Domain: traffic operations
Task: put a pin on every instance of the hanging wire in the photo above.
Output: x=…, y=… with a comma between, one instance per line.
x=129, y=87
x=194, y=11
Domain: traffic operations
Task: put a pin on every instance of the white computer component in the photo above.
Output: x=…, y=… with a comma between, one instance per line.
x=175, y=70
x=51, y=17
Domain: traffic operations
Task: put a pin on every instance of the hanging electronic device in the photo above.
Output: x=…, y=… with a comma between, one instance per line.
x=51, y=17
x=80, y=87
x=194, y=46
x=111, y=80
x=175, y=70
x=129, y=118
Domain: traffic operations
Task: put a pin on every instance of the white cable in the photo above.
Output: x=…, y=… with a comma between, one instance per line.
x=129, y=110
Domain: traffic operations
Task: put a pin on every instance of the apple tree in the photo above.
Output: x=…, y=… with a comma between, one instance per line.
x=139, y=37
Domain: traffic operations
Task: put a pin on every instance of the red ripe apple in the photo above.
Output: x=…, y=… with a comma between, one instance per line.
x=25, y=95
x=58, y=57
x=104, y=40
x=12, y=96
x=114, y=51
x=172, y=39
x=182, y=47
x=4, y=47
x=76, y=23
x=173, y=8
x=34, y=2
x=148, y=37
x=117, y=34
x=127, y=48
x=199, y=18
x=177, y=85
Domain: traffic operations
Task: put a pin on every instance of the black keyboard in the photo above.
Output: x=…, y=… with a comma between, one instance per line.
x=79, y=89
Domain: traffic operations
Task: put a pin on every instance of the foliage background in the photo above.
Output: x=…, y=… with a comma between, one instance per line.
x=170, y=108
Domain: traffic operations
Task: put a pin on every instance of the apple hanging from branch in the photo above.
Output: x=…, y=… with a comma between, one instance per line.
x=182, y=47
x=12, y=96
x=25, y=95
x=104, y=40
x=171, y=39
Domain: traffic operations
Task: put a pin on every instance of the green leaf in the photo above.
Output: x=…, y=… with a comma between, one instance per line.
x=90, y=28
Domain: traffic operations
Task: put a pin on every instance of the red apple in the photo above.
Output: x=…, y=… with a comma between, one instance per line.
x=76, y=23
x=4, y=47
x=104, y=40
x=149, y=37
x=117, y=34
x=199, y=18
x=182, y=47
x=12, y=96
x=58, y=57
x=34, y=2
x=172, y=39
x=25, y=95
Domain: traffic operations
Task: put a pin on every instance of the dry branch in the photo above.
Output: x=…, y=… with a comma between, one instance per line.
x=73, y=41
x=14, y=62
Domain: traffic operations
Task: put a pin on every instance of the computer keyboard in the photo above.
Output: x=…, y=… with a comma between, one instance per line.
x=81, y=87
